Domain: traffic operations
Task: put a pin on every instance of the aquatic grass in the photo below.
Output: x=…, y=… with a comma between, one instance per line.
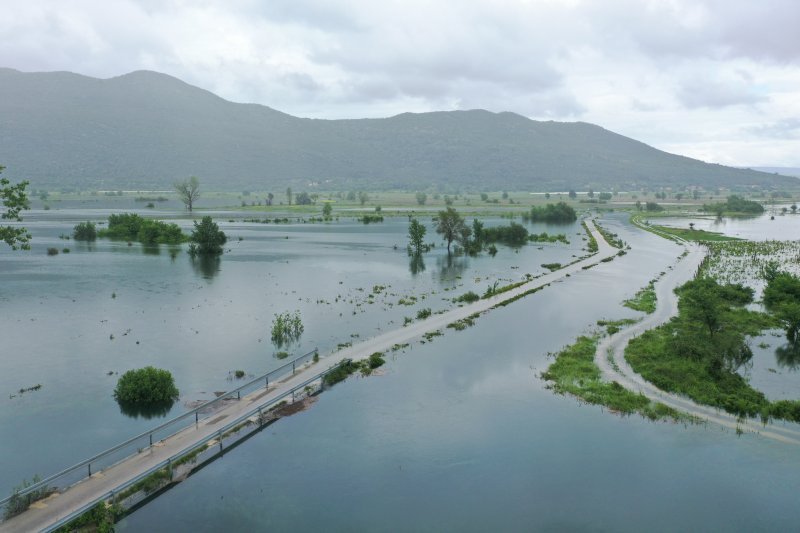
x=574, y=372
x=644, y=300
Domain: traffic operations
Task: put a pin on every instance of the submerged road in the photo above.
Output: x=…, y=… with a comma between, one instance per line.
x=43, y=514
x=610, y=357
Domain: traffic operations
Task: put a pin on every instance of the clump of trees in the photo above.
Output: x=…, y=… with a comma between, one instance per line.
x=85, y=231
x=146, y=386
x=559, y=213
x=286, y=327
x=451, y=226
x=735, y=204
x=207, y=239
x=132, y=227
x=513, y=235
x=14, y=199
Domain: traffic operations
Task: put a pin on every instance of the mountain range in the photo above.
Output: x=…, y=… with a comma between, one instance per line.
x=145, y=130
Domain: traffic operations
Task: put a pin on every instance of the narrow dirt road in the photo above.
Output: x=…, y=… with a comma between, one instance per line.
x=610, y=357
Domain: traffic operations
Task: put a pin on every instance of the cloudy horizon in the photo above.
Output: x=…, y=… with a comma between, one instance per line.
x=717, y=81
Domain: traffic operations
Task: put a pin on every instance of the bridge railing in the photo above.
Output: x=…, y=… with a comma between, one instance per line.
x=257, y=411
x=97, y=463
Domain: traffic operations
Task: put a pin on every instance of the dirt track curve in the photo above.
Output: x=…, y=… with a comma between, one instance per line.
x=612, y=348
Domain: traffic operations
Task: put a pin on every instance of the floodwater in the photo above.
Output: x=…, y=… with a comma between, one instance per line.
x=459, y=433
x=106, y=307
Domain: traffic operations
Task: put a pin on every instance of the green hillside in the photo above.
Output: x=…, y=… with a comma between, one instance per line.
x=145, y=130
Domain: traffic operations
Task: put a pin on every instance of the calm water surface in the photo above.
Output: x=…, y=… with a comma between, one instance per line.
x=459, y=433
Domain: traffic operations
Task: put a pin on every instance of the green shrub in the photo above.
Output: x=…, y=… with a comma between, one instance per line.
x=85, y=231
x=148, y=385
x=467, y=297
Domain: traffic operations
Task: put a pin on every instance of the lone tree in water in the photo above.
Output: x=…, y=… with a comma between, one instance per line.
x=207, y=238
x=14, y=199
x=450, y=225
x=188, y=191
x=416, y=236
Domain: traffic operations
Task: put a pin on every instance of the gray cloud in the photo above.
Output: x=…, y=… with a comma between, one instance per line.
x=698, y=92
x=693, y=65
x=788, y=128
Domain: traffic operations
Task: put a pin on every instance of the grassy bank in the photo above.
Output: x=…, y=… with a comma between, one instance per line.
x=574, y=372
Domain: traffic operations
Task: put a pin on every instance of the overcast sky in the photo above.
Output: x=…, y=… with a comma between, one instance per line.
x=718, y=80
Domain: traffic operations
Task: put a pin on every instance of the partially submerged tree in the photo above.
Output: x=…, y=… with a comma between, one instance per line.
x=14, y=200
x=146, y=385
x=450, y=225
x=85, y=231
x=782, y=298
x=188, y=191
x=207, y=238
x=416, y=236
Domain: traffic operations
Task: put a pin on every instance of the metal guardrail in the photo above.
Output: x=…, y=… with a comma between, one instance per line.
x=177, y=456
x=114, y=455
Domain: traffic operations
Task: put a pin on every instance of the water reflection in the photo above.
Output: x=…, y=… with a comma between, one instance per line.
x=788, y=356
x=148, y=411
x=451, y=267
x=151, y=249
x=207, y=266
x=416, y=265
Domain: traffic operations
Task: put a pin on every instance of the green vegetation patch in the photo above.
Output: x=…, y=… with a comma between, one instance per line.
x=148, y=385
x=592, y=244
x=644, y=300
x=574, y=372
x=734, y=205
x=612, y=238
x=467, y=297
x=545, y=237
x=100, y=518
x=613, y=326
x=132, y=227
x=559, y=213
x=464, y=323
x=696, y=235
x=348, y=367
x=698, y=352
x=512, y=235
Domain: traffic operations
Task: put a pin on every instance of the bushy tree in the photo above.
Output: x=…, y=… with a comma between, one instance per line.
x=422, y=198
x=207, y=238
x=85, y=231
x=327, y=209
x=148, y=385
x=450, y=225
x=782, y=297
x=188, y=191
x=303, y=198
x=14, y=199
x=416, y=236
